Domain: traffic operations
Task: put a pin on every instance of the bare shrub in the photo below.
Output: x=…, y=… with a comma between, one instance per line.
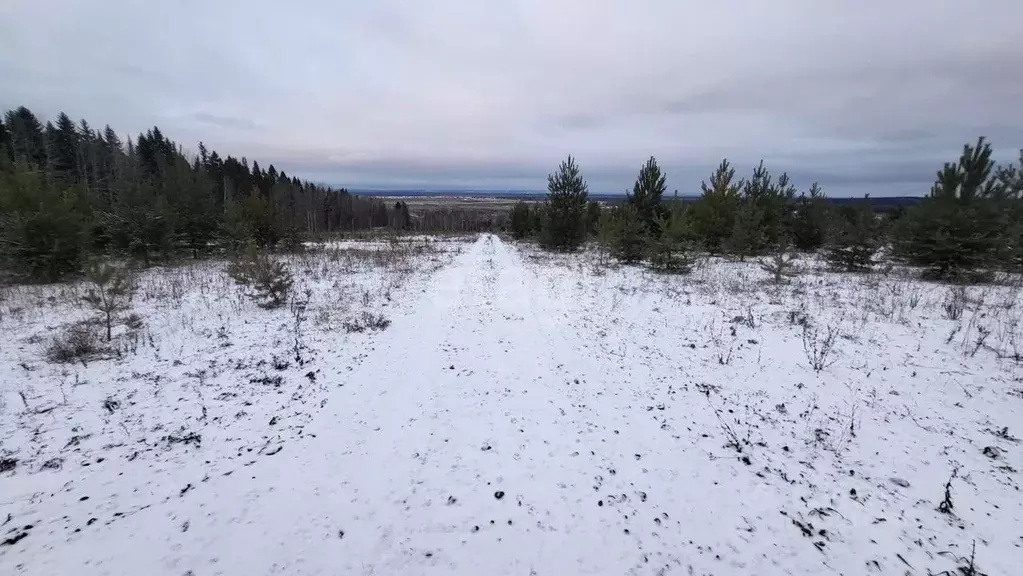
x=735, y=441
x=819, y=346
x=366, y=321
x=955, y=302
x=109, y=295
x=78, y=341
x=267, y=282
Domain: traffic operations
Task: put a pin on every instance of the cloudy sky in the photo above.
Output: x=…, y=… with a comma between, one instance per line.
x=862, y=95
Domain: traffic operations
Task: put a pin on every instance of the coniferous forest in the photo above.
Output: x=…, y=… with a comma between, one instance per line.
x=68, y=190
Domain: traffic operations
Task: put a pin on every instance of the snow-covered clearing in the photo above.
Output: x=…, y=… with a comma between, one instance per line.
x=524, y=413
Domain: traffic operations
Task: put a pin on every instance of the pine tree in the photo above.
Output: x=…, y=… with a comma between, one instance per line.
x=781, y=264
x=647, y=192
x=713, y=215
x=1013, y=255
x=565, y=225
x=809, y=227
x=960, y=227
x=771, y=200
x=624, y=233
x=267, y=282
x=593, y=213
x=519, y=222
x=747, y=238
x=854, y=238
x=670, y=248
x=109, y=294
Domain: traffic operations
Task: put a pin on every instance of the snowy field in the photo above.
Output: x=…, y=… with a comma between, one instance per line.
x=523, y=413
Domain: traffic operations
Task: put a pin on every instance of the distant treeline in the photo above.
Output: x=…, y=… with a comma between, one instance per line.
x=881, y=205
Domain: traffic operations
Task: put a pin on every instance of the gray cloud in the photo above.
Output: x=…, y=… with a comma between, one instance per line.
x=865, y=96
x=222, y=121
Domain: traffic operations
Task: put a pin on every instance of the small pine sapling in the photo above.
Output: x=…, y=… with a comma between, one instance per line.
x=623, y=232
x=854, y=239
x=267, y=282
x=781, y=264
x=671, y=249
x=747, y=233
x=109, y=295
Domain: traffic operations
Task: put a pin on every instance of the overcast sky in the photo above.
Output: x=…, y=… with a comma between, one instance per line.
x=862, y=95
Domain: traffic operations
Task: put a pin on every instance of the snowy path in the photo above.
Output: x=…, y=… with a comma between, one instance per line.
x=469, y=396
x=509, y=425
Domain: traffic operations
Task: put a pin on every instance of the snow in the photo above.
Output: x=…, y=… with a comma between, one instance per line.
x=604, y=406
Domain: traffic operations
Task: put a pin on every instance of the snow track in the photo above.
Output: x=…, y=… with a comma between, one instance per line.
x=516, y=421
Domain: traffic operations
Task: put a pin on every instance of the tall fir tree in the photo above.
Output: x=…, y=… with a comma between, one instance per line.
x=28, y=141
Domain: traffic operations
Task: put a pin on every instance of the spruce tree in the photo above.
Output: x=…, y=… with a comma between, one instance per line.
x=234, y=229
x=28, y=141
x=195, y=222
x=259, y=218
x=6, y=151
x=565, y=209
x=63, y=149
x=647, y=192
x=41, y=227
x=713, y=215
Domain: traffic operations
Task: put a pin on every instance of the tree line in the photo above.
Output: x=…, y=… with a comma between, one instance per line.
x=68, y=190
x=971, y=221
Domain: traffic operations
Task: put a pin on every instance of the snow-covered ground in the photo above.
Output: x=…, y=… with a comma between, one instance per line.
x=524, y=413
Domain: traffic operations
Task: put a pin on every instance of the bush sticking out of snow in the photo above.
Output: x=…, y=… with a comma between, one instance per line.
x=955, y=302
x=366, y=321
x=819, y=346
x=79, y=341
